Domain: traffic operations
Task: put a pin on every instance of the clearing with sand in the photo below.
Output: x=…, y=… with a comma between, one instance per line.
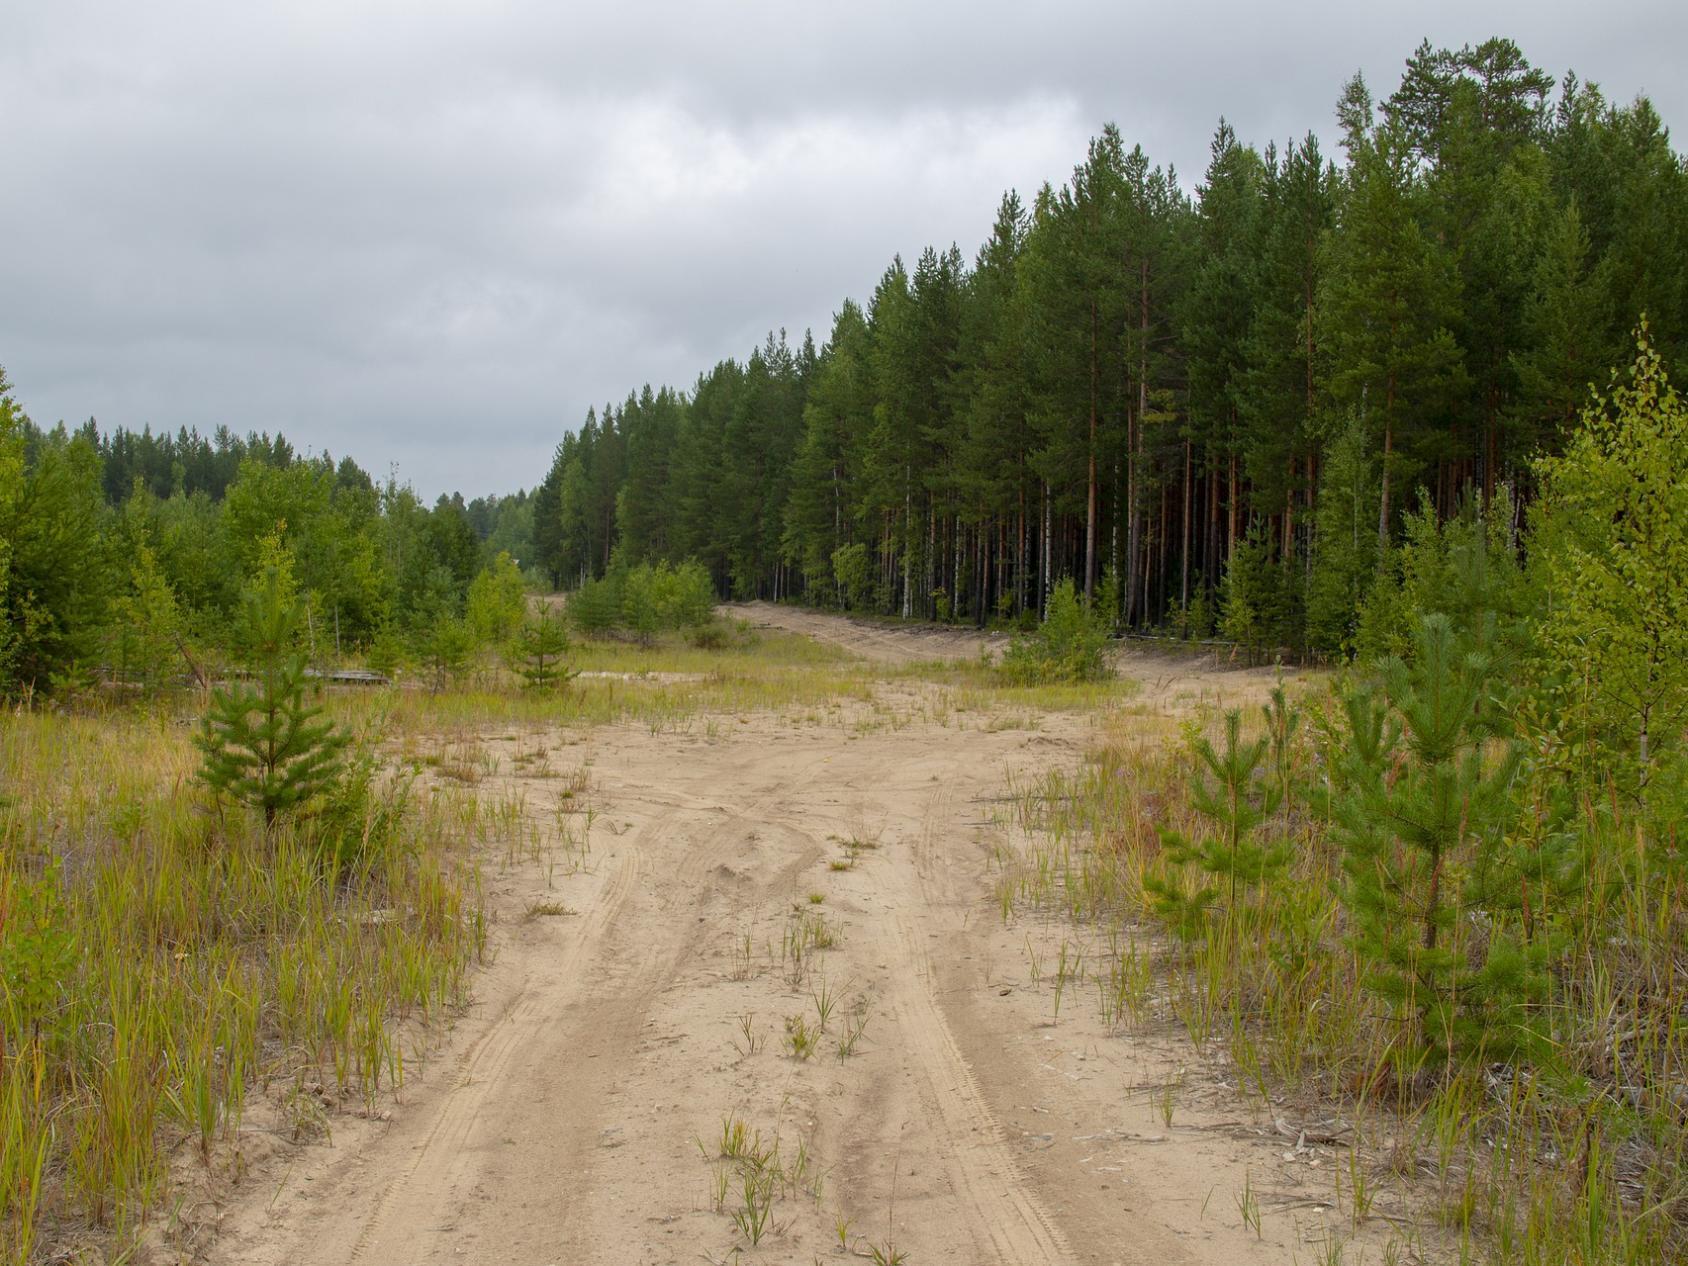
x=770, y=1010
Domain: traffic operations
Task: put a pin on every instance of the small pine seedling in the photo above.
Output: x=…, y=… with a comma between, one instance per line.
x=262, y=743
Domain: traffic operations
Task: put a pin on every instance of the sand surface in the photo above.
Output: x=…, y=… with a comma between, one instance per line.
x=574, y=1114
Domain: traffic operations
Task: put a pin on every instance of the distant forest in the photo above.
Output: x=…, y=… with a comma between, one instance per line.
x=1216, y=413
x=1252, y=385
x=114, y=548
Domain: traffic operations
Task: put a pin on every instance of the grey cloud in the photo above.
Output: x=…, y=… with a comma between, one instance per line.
x=434, y=235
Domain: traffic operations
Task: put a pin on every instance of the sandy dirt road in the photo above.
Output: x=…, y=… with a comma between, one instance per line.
x=874, y=640
x=575, y=1114
x=1170, y=681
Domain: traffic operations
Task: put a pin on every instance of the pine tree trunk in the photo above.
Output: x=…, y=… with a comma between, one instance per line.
x=1002, y=560
x=1021, y=570
x=1211, y=563
x=1133, y=430
x=1152, y=613
x=1114, y=530
x=908, y=541
x=1090, y=486
x=1232, y=503
x=1043, y=591
x=1491, y=445
x=1135, y=444
x=1307, y=504
x=1184, y=579
x=1383, y=500
x=931, y=557
x=1289, y=516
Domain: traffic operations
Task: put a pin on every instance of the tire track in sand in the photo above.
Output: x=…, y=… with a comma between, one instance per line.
x=417, y=1196
x=612, y=1024
x=1020, y=1231
x=607, y=977
x=1005, y=1214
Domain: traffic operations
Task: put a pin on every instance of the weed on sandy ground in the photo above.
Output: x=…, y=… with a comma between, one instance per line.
x=1569, y=1150
x=163, y=954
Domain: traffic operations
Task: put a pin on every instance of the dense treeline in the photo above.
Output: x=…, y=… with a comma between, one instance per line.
x=119, y=551
x=1215, y=412
x=1229, y=402
x=1447, y=891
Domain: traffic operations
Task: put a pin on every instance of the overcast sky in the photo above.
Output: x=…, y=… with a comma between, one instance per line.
x=431, y=234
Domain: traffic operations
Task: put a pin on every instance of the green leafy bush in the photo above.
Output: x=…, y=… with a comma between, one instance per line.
x=446, y=647
x=691, y=596
x=645, y=600
x=642, y=602
x=853, y=574
x=386, y=651
x=361, y=819
x=146, y=624
x=596, y=606
x=1611, y=543
x=37, y=954
x=55, y=560
x=717, y=635
x=1195, y=621
x=1069, y=645
x=497, y=602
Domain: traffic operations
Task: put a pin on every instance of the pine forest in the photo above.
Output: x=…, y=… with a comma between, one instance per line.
x=1162, y=739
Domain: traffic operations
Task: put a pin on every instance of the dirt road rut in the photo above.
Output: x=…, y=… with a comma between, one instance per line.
x=575, y=1114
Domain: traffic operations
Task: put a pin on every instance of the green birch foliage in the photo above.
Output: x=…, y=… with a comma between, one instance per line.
x=497, y=601
x=1611, y=535
x=853, y=574
x=263, y=744
x=1423, y=803
x=146, y=623
x=11, y=495
x=1068, y=646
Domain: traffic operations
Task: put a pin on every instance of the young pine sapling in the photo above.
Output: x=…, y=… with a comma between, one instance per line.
x=1423, y=806
x=1236, y=802
x=263, y=743
x=540, y=650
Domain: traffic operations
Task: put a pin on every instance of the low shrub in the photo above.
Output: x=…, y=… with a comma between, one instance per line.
x=1068, y=646
x=645, y=600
